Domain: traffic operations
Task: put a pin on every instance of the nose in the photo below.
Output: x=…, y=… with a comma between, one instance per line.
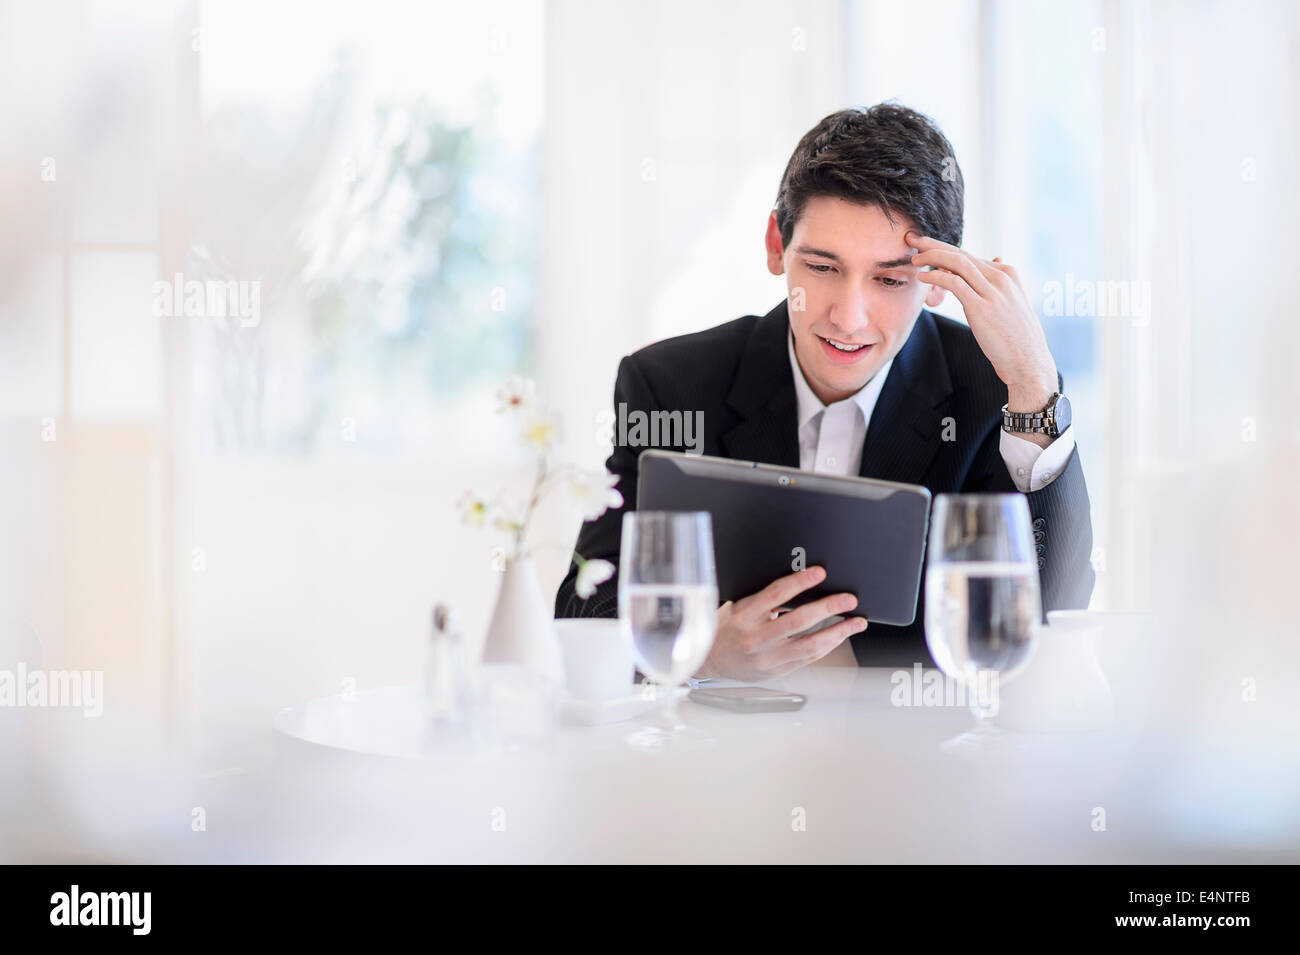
x=849, y=315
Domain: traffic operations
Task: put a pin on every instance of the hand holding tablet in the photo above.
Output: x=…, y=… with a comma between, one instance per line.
x=864, y=541
x=751, y=644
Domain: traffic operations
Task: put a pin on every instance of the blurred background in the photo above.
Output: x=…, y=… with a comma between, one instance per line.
x=230, y=512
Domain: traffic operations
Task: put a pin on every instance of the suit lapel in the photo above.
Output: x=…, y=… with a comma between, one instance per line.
x=906, y=427
x=762, y=393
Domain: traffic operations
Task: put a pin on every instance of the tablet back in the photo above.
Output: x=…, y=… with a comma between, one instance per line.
x=769, y=521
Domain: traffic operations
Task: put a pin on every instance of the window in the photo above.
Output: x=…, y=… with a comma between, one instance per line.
x=378, y=190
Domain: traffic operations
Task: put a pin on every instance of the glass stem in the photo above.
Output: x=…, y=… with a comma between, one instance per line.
x=668, y=710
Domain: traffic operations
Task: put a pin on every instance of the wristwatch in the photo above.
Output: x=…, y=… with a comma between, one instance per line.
x=1051, y=421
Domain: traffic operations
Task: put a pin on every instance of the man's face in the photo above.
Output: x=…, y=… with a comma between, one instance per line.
x=850, y=284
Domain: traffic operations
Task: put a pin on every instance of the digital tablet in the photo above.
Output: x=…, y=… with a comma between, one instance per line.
x=770, y=521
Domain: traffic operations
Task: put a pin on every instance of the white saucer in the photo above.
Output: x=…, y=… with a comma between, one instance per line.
x=597, y=713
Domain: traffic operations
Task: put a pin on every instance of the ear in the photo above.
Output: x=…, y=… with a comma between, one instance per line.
x=775, y=247
x=935, y=296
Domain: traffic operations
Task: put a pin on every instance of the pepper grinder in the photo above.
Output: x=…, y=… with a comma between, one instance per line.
x=444, y=678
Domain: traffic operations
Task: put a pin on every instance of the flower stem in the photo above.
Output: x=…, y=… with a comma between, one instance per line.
x=539, y=482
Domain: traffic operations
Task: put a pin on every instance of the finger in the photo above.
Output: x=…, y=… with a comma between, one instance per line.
x=953, y=283
x=779, y=591
x=996, y=271
x=809, y=615
x=1008, y=270
x=924, y=242
x=813, y=646
x=997, y=263
x=824, y=641
x=960, y=263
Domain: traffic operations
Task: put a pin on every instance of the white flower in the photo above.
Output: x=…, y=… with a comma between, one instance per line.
x=517, y=394
x=590, y=574
x=594, y=491
x=541, y=430
x=473, y=509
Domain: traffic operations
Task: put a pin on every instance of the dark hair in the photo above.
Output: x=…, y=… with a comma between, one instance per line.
x=887, y=156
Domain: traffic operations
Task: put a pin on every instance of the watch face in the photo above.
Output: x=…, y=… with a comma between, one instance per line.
x=1062, y=413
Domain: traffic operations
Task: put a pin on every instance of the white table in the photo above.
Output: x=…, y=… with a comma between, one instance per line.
x=849, y=778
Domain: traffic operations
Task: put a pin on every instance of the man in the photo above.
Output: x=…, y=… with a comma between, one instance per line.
x=851, y=375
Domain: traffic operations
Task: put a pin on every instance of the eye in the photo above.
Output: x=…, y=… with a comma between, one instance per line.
x=889, y=282
x=820, y=269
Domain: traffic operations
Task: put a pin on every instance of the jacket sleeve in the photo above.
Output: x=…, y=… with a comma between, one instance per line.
x=1061, y=522
x=601, y=538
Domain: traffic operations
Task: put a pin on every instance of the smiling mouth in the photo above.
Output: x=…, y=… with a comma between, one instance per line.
x=845, y=347
x=845, y=353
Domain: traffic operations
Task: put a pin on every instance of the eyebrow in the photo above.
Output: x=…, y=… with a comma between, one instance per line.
x=891, y=264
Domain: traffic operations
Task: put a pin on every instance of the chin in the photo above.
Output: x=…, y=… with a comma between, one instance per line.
x=853, y=382
x=845, y=380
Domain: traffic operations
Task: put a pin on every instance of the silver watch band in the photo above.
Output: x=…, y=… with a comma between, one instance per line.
x=1038, y=422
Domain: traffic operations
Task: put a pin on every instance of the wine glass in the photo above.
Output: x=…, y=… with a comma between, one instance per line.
x=668, y=604
x=982, y=604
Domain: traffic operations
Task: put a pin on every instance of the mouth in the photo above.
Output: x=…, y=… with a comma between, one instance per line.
x=845, y=353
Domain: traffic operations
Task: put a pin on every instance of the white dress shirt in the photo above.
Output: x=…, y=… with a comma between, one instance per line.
x=831, y=438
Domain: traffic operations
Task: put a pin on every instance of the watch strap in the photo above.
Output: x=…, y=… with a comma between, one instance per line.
x=1037, y=422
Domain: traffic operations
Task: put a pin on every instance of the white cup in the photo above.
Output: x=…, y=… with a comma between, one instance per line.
x=598, y=659
x=1063, y=687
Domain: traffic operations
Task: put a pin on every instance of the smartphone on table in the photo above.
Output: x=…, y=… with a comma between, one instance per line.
x=748, y=699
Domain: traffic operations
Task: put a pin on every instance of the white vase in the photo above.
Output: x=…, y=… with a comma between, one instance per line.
x=521, y=632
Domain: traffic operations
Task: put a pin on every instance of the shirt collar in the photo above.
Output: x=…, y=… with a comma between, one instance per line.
x=809, y=405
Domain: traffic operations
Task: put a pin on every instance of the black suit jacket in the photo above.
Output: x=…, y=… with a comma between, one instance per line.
x=739, y=375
